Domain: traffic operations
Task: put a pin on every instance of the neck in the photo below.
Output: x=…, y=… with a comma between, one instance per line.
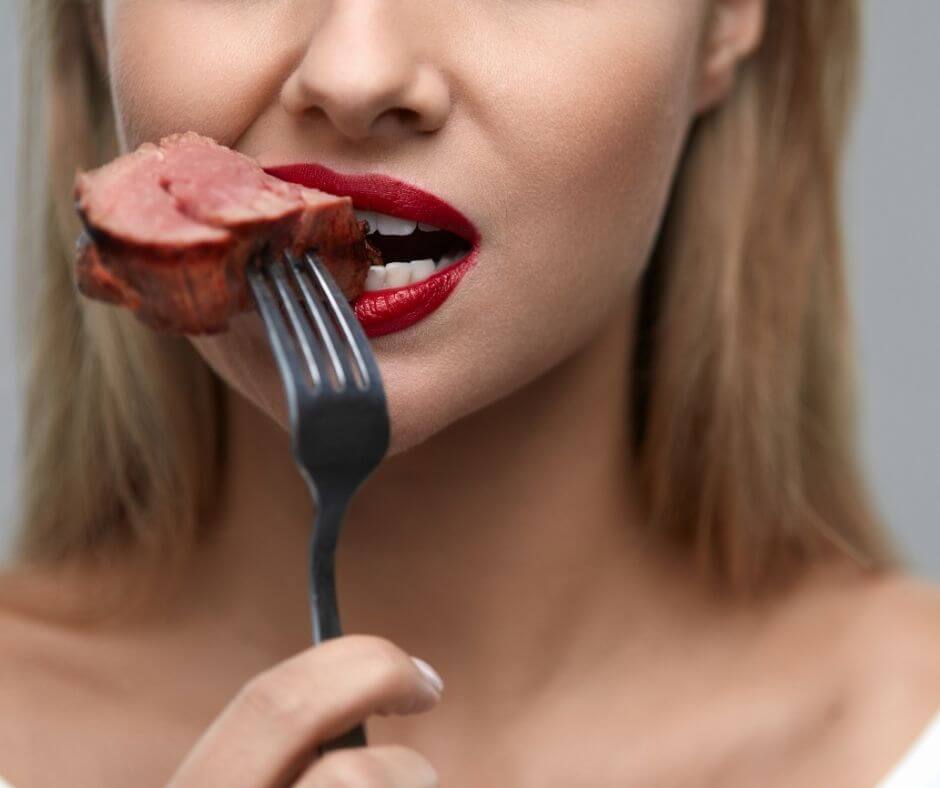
x=505, y=550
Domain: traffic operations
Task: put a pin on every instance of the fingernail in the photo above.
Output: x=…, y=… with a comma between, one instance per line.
x=430, y=674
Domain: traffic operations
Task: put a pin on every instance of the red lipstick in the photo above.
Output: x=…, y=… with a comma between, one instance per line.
x=393, y=309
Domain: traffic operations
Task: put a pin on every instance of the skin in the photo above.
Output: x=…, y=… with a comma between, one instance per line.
x=499, y=541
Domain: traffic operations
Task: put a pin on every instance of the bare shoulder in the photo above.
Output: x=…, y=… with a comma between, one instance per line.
x=32, y=660
x=47, y=689
x=888, y=659
x=22, y=702
x=897, y=626
x=37, y=652
x=45, y=643
x=115, y=704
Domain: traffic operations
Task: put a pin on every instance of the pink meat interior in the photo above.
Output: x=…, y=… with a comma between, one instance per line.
x=187, y=192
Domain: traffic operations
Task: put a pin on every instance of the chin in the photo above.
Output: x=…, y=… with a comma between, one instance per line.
x=242, y=358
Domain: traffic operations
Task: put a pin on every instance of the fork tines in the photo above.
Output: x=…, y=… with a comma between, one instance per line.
x=323, y=330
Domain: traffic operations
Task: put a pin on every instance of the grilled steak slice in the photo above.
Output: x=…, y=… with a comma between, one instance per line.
x=171, y=227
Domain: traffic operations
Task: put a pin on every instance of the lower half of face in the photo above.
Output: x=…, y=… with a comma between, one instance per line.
x=554, y=127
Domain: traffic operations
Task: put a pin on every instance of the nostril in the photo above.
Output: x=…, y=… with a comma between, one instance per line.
x=407, y=117
x=396, y=119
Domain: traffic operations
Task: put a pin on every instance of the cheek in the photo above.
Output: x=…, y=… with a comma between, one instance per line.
x=178, y=65
x=581, y=148
x=590, y=131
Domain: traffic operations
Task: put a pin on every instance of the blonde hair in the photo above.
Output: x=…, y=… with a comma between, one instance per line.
x=124, y=427
x=743, y=403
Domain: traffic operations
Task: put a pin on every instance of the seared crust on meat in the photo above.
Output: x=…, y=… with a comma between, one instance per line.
x=171, y=228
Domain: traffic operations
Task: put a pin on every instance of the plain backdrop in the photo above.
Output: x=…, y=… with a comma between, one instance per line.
x=893, y=196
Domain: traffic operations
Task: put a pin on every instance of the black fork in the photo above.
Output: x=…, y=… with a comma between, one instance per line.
x=337, y=407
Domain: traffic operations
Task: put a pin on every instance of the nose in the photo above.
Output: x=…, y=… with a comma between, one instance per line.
x=363, y=69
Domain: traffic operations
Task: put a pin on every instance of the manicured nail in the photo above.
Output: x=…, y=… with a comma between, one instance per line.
x=430, y=674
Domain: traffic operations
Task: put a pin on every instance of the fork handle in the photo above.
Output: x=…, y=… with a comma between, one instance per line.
x=324, y=608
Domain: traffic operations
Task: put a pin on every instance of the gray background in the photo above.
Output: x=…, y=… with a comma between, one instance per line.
x=893, y=230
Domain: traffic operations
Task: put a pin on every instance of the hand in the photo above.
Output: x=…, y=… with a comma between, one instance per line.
x=269, y=732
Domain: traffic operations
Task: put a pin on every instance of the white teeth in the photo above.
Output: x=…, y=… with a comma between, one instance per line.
x=397, y=274
x=449, y=259
x=383, y=224
x=392, y=225
x=421, y=270
x=385, y=277
x=427, y=227
x=375, y=280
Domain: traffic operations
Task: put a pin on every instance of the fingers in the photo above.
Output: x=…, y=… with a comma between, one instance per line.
x=370, y=767
x=272, y=728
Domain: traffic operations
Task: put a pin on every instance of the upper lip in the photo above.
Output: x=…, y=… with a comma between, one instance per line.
x=382, y=193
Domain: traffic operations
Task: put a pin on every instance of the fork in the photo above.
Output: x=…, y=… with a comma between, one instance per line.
x=337, y=407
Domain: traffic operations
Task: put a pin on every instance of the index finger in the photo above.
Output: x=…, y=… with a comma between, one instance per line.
x=274, y=724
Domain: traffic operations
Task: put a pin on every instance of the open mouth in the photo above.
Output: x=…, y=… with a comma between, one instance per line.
x=412, y=251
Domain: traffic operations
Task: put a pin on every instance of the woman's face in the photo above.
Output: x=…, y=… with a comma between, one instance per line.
x=553, y=125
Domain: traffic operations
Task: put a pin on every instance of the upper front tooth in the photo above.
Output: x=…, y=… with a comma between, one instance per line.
x=426, y=227
x=392, y=225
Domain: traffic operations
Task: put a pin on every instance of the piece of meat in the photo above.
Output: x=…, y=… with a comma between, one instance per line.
x=171, y=227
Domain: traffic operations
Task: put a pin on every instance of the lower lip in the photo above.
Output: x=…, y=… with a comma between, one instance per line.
x=386, y=311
